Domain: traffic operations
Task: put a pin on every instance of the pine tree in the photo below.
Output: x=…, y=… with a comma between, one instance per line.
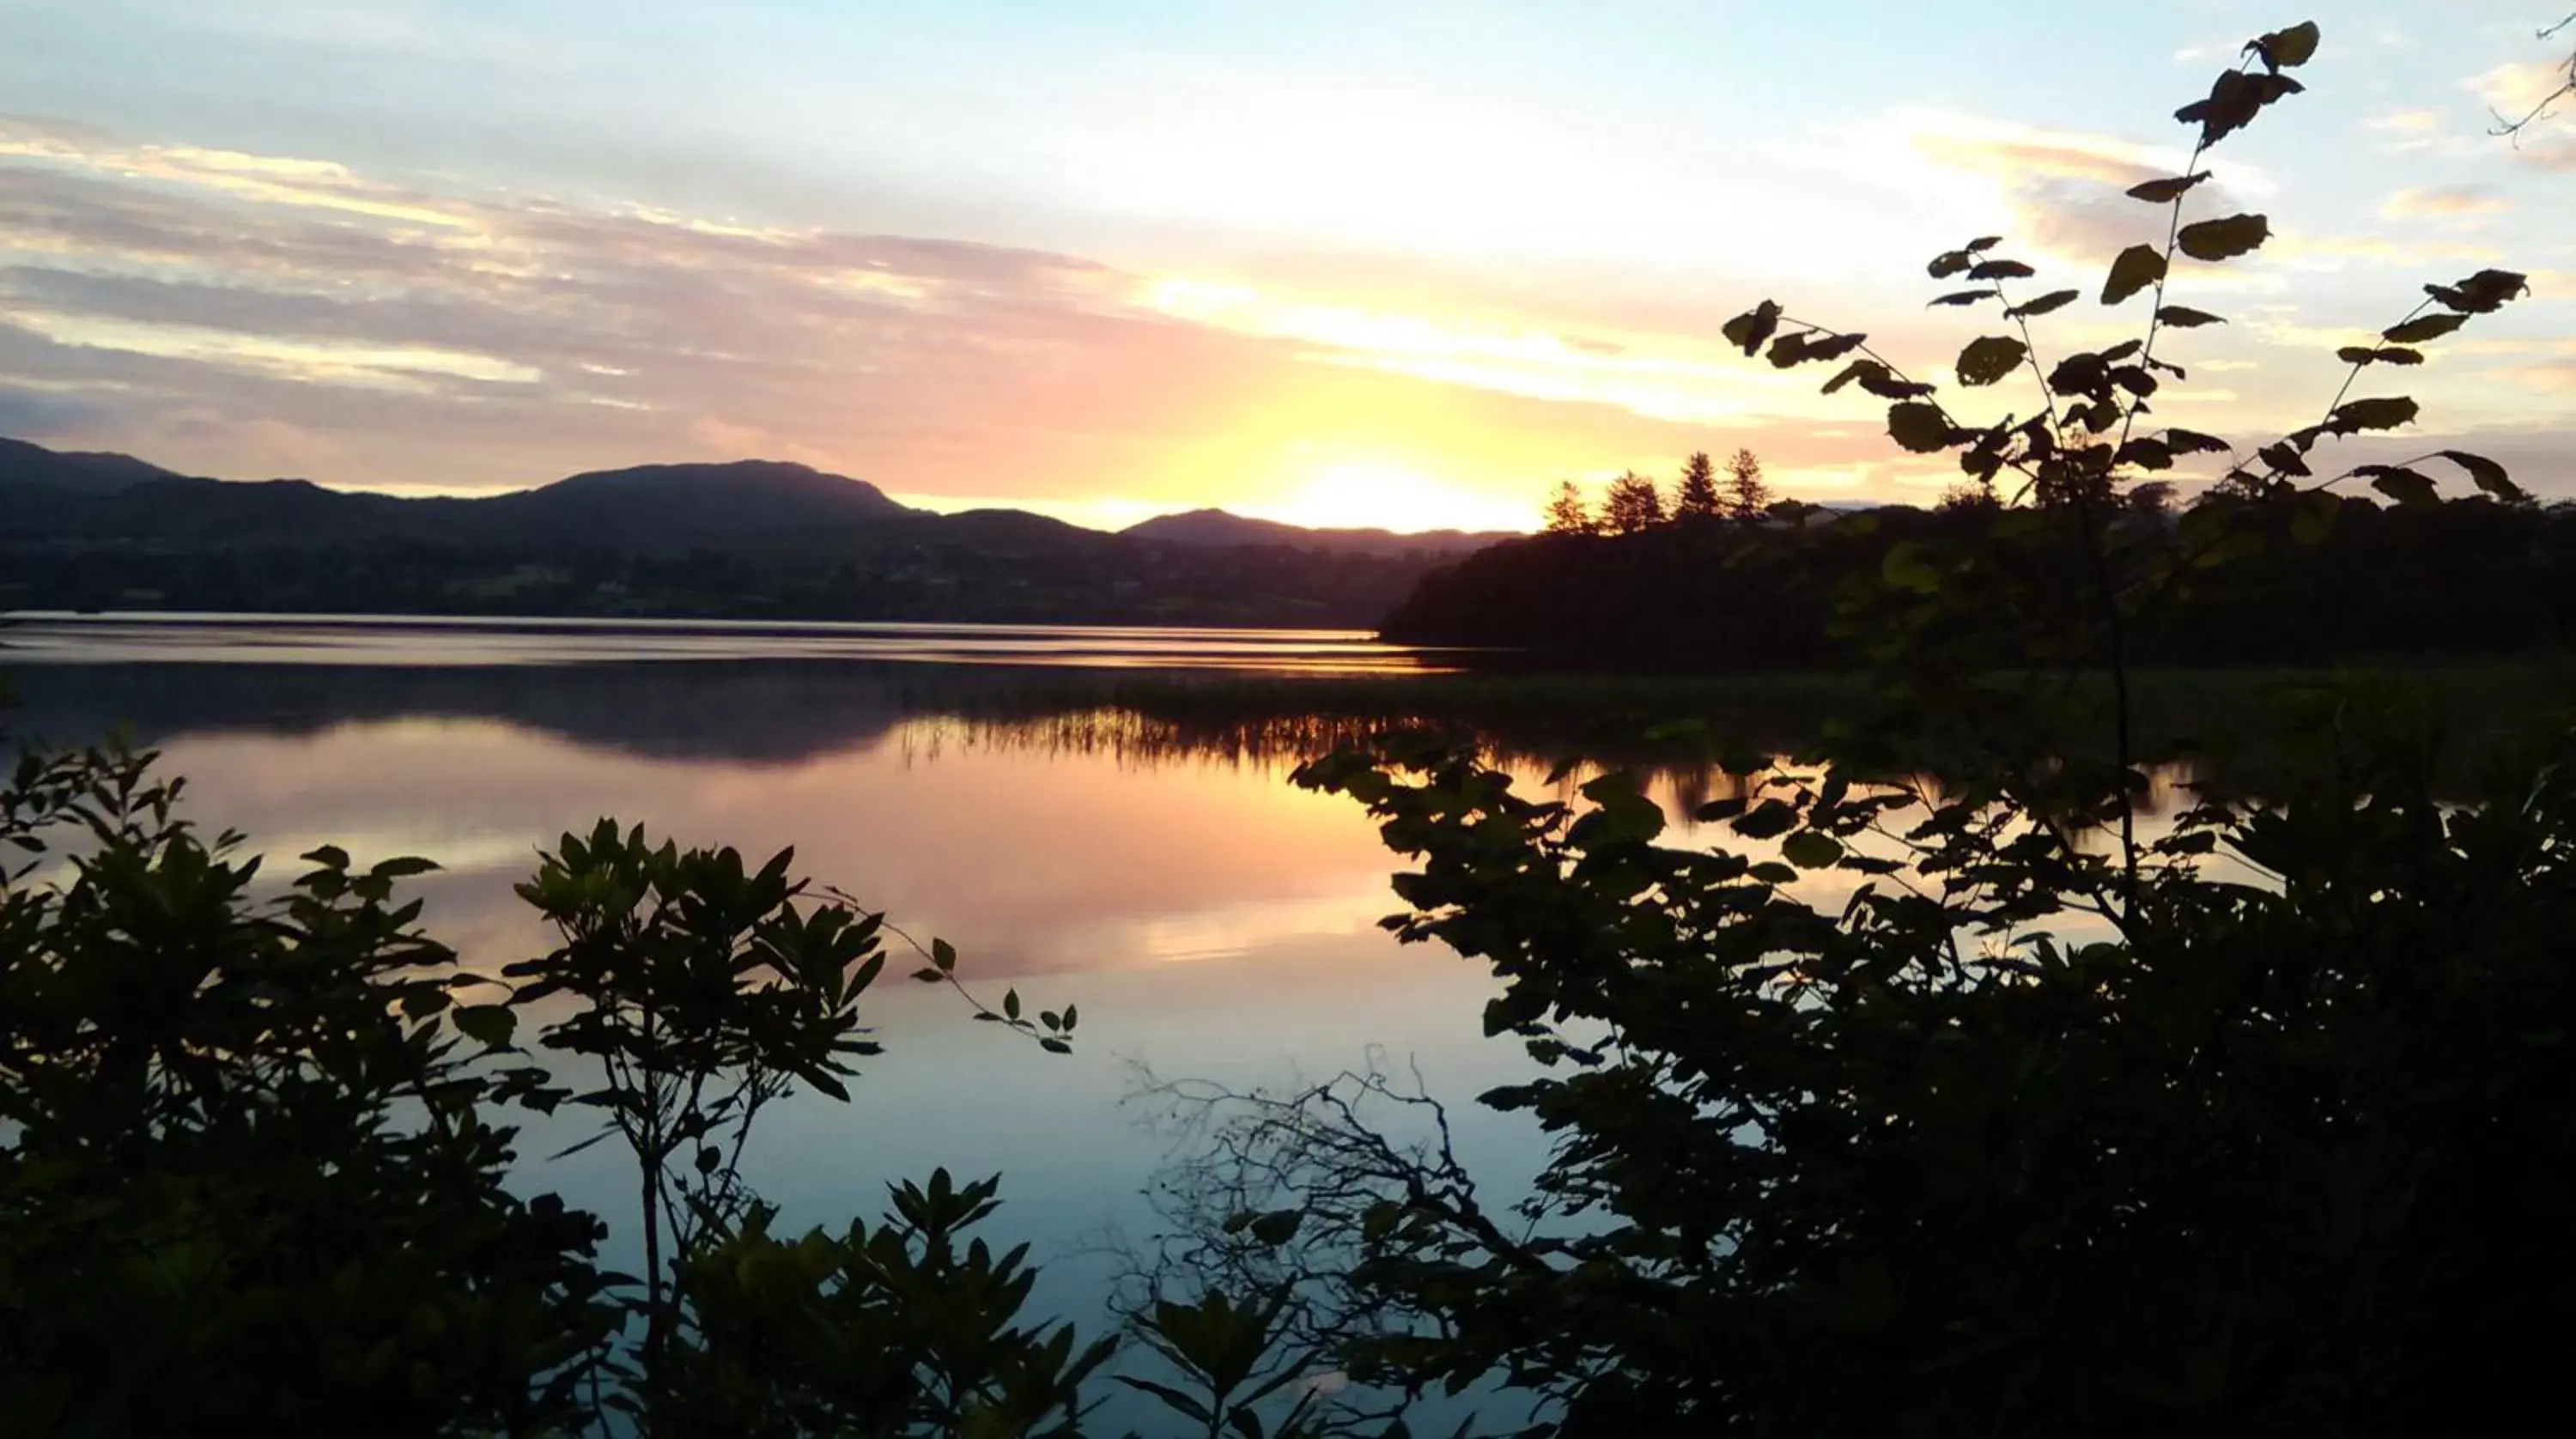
x=1746, y=496
x=1697, y=496
x=1633, y=504
x=1567, y=514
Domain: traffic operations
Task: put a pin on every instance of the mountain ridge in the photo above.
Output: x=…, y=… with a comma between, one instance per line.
x=755, y=493
x=740, y=539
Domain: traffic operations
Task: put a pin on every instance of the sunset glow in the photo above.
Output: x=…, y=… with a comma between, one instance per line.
x=1341, y=267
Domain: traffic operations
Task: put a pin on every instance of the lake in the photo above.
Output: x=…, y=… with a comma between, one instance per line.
x=1210, y=919
x=1093, y=816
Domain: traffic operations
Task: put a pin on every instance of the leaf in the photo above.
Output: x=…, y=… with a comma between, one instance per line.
x=1948, y=263
x=1811, y=849
x=2285, y=458
x=2374, y=414
x=1752, y=328
x=1767, y=820
x=2184, y=317
x=1988, y=359
x=2482, y=293
x=2410, y=488
x=928, y=976
x=2224, y=239
x=1010, y=1004
x=1832, y=347
x=1853, y=371
x=1053, y=1045
x=1919, y=427
x=2002, y=270
x=2165, y=192
x=2489, y=475
x=489, y=1025
x=2422, y=328
x=2193, y=442
x=2053, y=300
x=944, y=955
x=1278, y=1226
x=2136, y=268
x=1172, y=1398
x=2291, y=48
x=1983, y=243
x=1961, y=297
x=2146, y=454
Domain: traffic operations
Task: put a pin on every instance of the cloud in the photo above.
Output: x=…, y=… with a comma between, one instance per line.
x=2065, y=189
x=447, y=340
x=38, y=414
x=2444, y=202
x=2405, y=122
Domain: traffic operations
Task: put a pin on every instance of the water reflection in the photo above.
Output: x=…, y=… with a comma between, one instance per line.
x=1145, y=861
x=434, y=640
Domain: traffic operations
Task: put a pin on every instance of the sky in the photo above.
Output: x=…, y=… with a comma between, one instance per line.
x=1404, y=263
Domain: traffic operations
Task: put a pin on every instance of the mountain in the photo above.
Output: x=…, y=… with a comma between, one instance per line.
x=76, y=471
x=750, y=539
x=1220, y=527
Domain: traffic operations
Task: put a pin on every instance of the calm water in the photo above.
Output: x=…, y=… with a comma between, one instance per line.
x=1210, y=919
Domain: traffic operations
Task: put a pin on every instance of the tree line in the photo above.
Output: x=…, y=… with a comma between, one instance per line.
x=1632, y=504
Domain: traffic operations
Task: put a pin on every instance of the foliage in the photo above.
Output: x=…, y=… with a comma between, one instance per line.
x=1566, y=512
x=1696, y=496
x=1940, y=1095
x=1632, y=505
x=249, y=1183
x=252, y=1157
x=1747, y=497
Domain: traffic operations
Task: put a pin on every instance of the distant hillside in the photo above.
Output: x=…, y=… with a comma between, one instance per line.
x=82, y=473
x=1218, y=527
x=749, y=539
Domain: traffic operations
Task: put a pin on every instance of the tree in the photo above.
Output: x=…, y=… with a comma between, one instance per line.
x=1696, y=497
x=1632, y=506
x=1747, y=497
x=1567, y=514
x=2031, y=1123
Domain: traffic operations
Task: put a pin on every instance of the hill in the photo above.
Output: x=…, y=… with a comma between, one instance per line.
x=1220, y=527
x=74, y=471
x=748, y=539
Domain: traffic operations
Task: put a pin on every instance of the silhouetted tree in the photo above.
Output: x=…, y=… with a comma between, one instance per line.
x=1633, y=504
x=1567, y=514
x=1697, y=494
x=1746, y=496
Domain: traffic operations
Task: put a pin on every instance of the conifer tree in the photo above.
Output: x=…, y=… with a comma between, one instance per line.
x=1697, y=496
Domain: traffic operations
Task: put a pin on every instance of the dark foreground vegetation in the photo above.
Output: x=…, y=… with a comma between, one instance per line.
x=1943, y=1097
x=2343, y=580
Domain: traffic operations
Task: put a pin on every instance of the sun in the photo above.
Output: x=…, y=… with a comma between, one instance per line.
x=1367, y=495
